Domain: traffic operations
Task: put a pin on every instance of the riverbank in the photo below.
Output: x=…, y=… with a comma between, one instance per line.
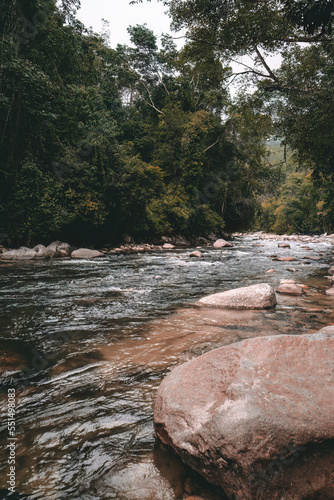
x=58, y=249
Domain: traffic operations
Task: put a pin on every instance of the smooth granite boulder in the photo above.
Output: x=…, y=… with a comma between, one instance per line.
x=260, y=296
x=22, y=253
x=196, y=253
x=256, y=417
x=222, y=244
x=86, y=253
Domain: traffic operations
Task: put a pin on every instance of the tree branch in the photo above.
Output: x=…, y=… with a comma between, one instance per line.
x=271, y=74
x=162, y=82
x=150, y=96
x=211, y=146
x=306, y=39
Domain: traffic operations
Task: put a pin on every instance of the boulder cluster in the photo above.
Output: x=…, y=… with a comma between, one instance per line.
x=256, y=417
x=57, y=249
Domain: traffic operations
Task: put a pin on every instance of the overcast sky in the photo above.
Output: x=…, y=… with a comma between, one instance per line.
x=121, y=15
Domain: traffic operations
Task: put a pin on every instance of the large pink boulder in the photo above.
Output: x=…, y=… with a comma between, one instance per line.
x=256, y=417
x=260, y=296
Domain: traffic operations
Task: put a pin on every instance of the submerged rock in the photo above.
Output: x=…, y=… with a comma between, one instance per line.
x=86, y=253
x=331, y=270
x=290, y=289
x=260, y=296
x=256, y=417
x=285, y=259
x=284, y=245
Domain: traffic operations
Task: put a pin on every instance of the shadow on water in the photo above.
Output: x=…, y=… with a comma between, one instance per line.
x=86, y=345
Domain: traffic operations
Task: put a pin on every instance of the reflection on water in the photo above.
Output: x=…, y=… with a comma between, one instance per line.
x=87, y=343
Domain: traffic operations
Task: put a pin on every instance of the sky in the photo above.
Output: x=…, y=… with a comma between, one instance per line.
x=121, y=14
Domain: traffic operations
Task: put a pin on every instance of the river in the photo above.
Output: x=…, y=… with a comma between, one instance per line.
x=86, y=344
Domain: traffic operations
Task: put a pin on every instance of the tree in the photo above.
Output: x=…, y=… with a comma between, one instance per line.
x=97, y=142
x=255, y=28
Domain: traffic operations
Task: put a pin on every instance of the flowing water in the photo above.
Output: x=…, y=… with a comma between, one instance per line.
x=87, y=343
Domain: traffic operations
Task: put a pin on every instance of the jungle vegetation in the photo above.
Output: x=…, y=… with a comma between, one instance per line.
x=146, y=139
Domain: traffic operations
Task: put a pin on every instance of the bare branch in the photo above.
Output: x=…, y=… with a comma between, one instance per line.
x=211, y=146
x=271, y=74
x=150, y=96
x=162, y=82
x=307, y=39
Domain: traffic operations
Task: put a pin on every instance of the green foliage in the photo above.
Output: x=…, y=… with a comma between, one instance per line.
x=97, y=142
x=307, y=118
x=298, y=207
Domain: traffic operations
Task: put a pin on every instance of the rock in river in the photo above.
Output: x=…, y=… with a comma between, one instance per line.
x=290, y=289
x=255, y=417
x=58, y=249
x=260, y=296
x=196, y=253
x=41, y=252
x=86, y=253
x=23, y=253
x=331, y=270
x=283, y=245
x=285, y=259
x=222, y=244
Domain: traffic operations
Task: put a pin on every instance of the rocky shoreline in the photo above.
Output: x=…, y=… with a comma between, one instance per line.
x=63, y=250
x=58, y=249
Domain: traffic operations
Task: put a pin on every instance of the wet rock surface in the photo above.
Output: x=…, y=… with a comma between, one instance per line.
x=196, y=253
x=290, y=289
x=255, y=418
x=23, y=253
x=284, y=245
x=86, y=253
x=222, y=244
x=260, y=296
x=285, y=259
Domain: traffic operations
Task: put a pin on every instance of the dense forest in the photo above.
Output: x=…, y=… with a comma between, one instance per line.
x=145, y=140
